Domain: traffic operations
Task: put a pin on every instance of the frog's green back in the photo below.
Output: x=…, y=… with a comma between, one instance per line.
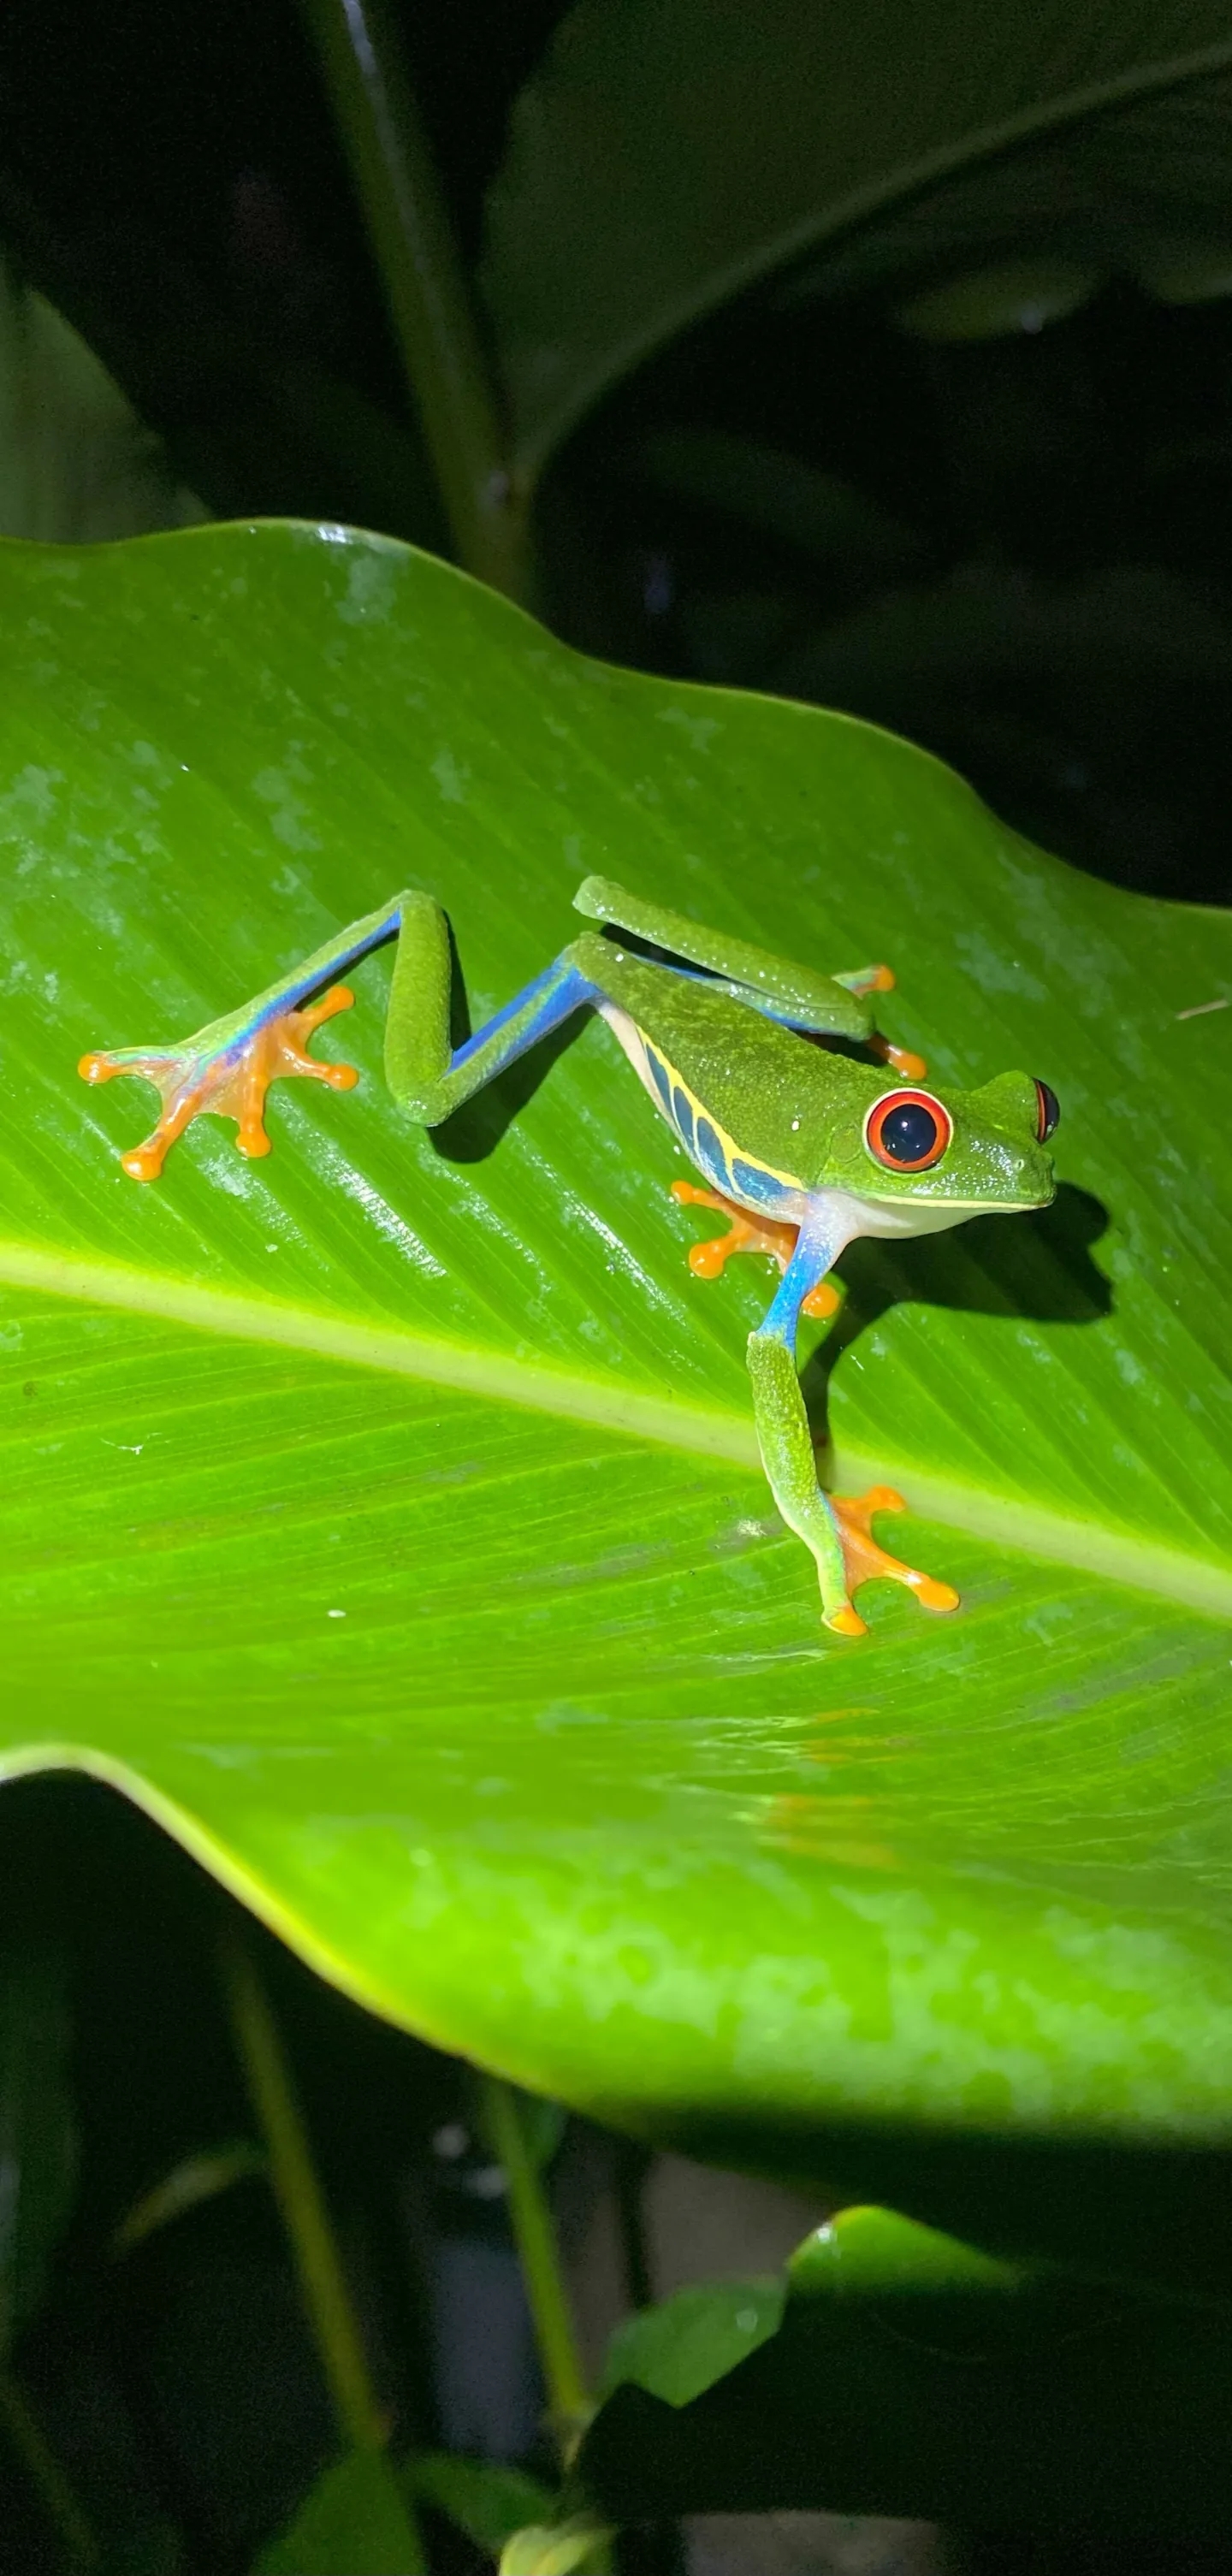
x=781, y=1099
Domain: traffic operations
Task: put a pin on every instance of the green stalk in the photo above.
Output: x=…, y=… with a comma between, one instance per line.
x=535, y=2239
x=29, y=2442
x=301, y=2202
x=425, y=286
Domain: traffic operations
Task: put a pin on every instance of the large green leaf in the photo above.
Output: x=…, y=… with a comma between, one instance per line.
x=670, y=153
x=384, y=1516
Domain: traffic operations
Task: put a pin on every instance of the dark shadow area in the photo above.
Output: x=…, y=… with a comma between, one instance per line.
x=1039, y=594
x=1037, y=1267
x=1105, y=2207
x=178, y=2382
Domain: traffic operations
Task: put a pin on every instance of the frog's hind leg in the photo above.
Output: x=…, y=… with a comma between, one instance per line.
x=797, y=997
x=746, y=1233
x=821, y=1006
x=228, y=1079
x=226, y=1068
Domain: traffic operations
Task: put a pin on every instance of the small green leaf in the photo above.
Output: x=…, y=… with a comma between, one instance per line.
x=989, y=303
x=75, y=462
x=194, y=2180
x=682, y=2346
x=352, y=2523
x=556, y=2549
x=1190, y=272
x=485, y=2498
x=868, y=2253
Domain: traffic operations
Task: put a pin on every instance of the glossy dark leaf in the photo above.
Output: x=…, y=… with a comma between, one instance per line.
x=910, y=2375
x=669, y=154
x=779, y=495
x=75, y=461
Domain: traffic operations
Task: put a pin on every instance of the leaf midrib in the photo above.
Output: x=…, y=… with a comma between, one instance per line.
x=1087, y=1546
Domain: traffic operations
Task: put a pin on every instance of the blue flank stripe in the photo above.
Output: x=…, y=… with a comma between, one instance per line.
x=711, y=1156
x=752, y=1181
x=659, y=1076
x=682, y=1117
x=713, y=1151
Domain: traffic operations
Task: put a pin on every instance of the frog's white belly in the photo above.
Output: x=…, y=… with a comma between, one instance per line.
x=890, y=1217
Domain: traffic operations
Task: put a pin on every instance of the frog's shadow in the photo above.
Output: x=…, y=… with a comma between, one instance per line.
x=1032, y=1268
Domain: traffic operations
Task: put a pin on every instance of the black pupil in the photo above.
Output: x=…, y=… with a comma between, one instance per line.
x=909, y=1133
x=1049, y=1112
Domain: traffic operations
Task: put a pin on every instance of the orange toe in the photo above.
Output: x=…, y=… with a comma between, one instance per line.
x=909, y=1067
x=865, y=1560
x=226, y=1079
x=747, y=1233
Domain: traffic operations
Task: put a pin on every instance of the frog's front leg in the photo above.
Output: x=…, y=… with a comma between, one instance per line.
x=226, y=1068
x=745, y=1233
x=836, y=1530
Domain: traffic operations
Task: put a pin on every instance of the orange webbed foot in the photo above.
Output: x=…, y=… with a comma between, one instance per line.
x=228, y=1078
x=746, y=1233
x=863, y=1558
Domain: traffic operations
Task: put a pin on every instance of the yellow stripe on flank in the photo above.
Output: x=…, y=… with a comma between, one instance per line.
x=727, y=1144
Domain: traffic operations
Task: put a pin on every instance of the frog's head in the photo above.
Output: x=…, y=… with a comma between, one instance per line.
x=972, y=1151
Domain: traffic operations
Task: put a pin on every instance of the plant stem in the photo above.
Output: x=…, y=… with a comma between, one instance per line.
x=300, y=2199
x=535, y=2239
x=46, y=2476
x=425, y=285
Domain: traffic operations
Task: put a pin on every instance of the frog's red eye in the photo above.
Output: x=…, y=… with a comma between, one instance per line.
x=907, y=1131
x=1048, y=1107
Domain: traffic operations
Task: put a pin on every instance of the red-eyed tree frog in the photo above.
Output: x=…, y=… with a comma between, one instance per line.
x=802, y=1146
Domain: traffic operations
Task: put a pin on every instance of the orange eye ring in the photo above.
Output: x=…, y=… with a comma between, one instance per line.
x=907, y=1131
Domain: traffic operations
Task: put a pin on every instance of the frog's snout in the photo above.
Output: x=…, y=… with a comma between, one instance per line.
x=1049, y=1111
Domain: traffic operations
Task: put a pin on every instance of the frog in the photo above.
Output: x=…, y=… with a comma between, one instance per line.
x=808, y=1128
